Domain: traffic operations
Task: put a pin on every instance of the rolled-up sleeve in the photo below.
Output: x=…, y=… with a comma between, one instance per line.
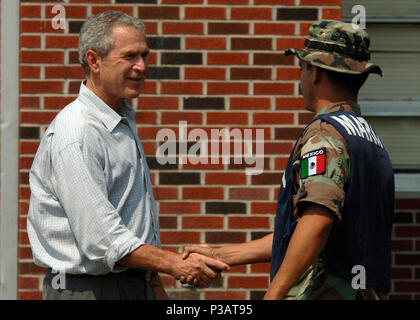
x=80, y=186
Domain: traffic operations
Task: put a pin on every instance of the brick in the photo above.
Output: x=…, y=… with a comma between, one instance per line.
x=168, y=222
x=28, y=147
x=176, y=117
x=287, y=74
x=155, y=165
x=64, y=42
x=30, y=11
x=403, y=217
x=286, y=43
x=41, y=87
x=202, y=193
x=251, y=14
x=219, y=237
x=402, y=245
x=305, y=118
x=30, y=72
x=205, y=13
x=37, y=117
x=29, y=41
x=248, y=282
x=248, y=193
x=99, y=1
x=178, y=237
x=202, y=222
x=57, y=102
x=179, y=207
x=179, y=178
x=157, y=102
x=225, y=207
x=203, y=103
x=202, y=73
x=250, y=103
x=248, y=222
x=407, y=231
x=225, y=295
x=182, y=1
x=28, y=283
x=25, y=252
x=251, y=44
x=411, y=286
x=331, y=13
x=151, y=27
x=99, y=9
x=28, y=132
x=257, y=295
x=304, y=28
x=228, y=28
x=181, y=58
x=160, y=73
x=273, y=88
x=143, y=117
x=65, y=72
x=290, y=104
x=182, y=28
x=259, y=234
x=401, y=273
x=205, y=43
x=73, y=12
x=24, y=178
x=298, y=14
x=23, y=207
x=261, y=267
x=227, y=58
x=250, y=74
x=75, y=26
x=158, y=12
x=39, y=26
x=194, y=88
x=181, y=295
x=24, y=192
x=274, y=2
x=287, y=133
x=25, y=162
x=272, y=59
x=264, y=207
x=407, y=259
x=41, y=56
x=274, y=28
x=30, y=268
x=407, y=204
x=225, y=88
x=227, y=118
x=320, y=2
x=30, y=295
x=273, y=118
x=280, y=164
x=159, y=43
x=228, y=2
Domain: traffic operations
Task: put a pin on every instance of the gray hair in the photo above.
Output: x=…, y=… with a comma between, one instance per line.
x=96, y=33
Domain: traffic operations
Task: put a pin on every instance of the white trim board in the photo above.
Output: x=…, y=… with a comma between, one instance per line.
x=9, y=166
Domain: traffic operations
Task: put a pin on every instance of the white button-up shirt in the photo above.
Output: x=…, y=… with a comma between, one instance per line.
x=91, y=193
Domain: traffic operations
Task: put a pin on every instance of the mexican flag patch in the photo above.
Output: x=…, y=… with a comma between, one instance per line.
x=313, y=163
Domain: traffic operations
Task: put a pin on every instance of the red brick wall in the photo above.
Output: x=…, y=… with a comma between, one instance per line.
x=215, y=64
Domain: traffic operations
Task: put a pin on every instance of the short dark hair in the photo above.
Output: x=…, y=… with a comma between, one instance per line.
x=350, y=82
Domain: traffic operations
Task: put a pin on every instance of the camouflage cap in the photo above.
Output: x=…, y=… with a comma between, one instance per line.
x=337, y=46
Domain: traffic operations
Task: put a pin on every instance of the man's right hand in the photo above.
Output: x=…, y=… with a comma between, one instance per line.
x=199, y=270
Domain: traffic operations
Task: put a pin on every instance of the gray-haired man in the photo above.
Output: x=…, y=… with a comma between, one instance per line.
x=92, y=214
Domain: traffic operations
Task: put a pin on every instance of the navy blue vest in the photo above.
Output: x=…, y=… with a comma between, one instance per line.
x=363, y=237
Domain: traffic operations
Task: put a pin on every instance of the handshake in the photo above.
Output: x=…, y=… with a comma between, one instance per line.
x=199, y=266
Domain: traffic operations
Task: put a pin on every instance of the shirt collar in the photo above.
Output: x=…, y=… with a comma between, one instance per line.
x=100, y=110
x=340, y=106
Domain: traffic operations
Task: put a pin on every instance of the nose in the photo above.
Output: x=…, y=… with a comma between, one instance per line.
x=140, y=64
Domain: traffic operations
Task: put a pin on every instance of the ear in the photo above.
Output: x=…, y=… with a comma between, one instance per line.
x=317, y=74
x=93, y=61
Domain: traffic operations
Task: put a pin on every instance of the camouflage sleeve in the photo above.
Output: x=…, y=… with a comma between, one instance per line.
x=324, y=169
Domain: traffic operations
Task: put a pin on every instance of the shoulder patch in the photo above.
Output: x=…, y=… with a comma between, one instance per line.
x=313, y=163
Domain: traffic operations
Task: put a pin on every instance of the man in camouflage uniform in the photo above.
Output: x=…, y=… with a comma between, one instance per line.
x=332, y=235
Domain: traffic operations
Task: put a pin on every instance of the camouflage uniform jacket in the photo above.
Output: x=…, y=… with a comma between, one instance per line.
x=326, y=189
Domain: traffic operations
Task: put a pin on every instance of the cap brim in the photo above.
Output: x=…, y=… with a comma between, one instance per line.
x=334, y=62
